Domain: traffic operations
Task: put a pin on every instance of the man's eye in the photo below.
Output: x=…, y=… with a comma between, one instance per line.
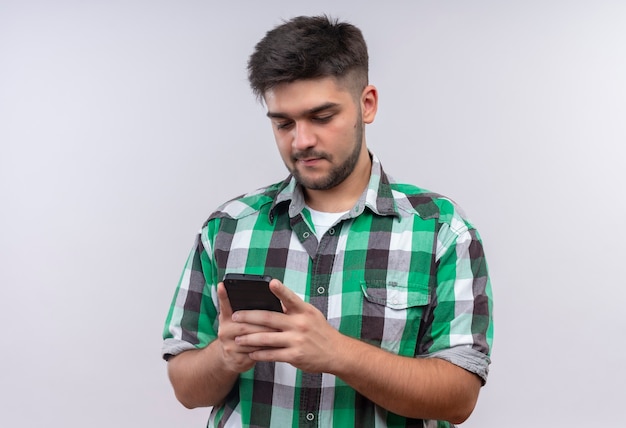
x=283, y=125
x=323, y=119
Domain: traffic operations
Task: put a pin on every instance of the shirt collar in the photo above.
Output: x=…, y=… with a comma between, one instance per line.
x=377, y=197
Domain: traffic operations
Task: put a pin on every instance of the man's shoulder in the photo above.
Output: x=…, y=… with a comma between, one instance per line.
x=413, y=199
x=249, y=203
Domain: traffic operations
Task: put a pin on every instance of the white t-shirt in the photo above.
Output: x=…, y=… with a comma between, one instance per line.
x=323, y=221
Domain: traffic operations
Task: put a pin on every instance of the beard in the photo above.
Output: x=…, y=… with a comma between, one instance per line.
x=338, y=173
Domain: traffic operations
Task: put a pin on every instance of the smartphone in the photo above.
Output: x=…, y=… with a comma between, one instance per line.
x=247, y=291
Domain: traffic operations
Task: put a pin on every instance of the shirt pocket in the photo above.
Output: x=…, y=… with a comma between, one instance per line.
x=392, y=314
x=396, y=294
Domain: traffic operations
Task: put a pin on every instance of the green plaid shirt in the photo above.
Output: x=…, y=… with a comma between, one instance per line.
x=402, y=270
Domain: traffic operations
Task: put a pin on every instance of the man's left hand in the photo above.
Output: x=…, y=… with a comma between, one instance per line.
x=304, y=338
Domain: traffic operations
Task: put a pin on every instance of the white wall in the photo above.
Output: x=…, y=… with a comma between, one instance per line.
x=124, y=123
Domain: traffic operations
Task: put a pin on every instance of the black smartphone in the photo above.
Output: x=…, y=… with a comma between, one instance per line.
x=246, y=291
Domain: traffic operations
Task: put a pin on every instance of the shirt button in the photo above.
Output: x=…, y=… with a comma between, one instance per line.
x=331, y=231
x=310, y=416
x=320, y=290
x=306, y=235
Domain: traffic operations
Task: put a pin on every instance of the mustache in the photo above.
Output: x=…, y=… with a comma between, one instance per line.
x=310, y=153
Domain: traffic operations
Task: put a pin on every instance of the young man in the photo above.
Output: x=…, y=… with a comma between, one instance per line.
x=386, y=297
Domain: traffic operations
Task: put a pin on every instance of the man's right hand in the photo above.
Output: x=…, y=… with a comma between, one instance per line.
x=203, y=377
x=235, y=356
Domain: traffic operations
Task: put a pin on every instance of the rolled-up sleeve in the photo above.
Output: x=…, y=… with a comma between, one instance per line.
x=192, y=318
x=461, y=329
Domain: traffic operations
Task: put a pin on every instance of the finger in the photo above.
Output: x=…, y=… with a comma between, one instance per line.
x=269, y=354
x=245, y=350
x=222, y=297
x=262, y=340
x=263, y=321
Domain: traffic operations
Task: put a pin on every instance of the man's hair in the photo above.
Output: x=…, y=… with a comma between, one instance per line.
x=309, y=47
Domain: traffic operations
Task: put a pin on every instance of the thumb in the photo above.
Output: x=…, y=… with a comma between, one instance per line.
x=290, y=300
x=222, y=297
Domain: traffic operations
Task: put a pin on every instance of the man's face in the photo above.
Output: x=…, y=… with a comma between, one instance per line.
x=318, y=128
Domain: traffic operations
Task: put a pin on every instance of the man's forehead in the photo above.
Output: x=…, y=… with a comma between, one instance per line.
x=305, y=95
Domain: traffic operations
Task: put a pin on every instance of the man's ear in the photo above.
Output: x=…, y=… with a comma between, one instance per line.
x=369, y=103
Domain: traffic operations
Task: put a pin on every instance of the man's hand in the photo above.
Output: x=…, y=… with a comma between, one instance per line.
x=236, y=356
x=204, y=377
x=427, y=388
x=301, y=336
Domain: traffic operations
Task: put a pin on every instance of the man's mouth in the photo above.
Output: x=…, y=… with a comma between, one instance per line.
x=309, y=158
x=309, y=161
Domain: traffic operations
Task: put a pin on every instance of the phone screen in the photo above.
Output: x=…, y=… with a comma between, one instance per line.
x=247, y=291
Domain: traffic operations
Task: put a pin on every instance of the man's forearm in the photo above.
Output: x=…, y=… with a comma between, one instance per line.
x=427, y=388
x=199, y=378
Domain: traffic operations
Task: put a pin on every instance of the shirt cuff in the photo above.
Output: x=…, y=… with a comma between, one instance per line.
x=467, y=358
x=172, y=347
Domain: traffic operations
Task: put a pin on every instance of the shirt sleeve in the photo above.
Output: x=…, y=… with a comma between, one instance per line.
x=461, y=329
x=192, y=319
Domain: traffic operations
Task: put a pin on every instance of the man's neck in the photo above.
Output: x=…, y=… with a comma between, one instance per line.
x=345, y=195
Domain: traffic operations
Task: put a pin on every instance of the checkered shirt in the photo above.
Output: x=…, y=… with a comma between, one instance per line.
x=403, y=271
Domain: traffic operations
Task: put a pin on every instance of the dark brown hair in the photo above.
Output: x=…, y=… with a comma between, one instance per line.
x=309, y=47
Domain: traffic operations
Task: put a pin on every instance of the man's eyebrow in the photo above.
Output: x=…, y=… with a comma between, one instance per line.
x=314, y=110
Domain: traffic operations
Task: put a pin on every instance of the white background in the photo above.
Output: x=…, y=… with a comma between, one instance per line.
x=124, y=123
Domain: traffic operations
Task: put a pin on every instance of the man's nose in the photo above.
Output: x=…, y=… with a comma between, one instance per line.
x=304, y=137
